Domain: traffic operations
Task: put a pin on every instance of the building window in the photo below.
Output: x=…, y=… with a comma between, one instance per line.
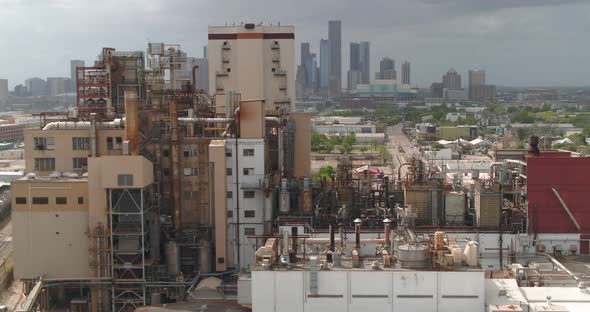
x=249, y=152
x=114, y=143
x=229, y=70
x=249, y=231
x=249, y=213
x=61, y=200
x=125, y=179
x=80, y=143
x=21, y=200
x=190, y=153
x=80, y=163
x=40, y=200
x=44, y=164
x=43, y=143
x=189, y=195
x=166, y=172
x=228, y=195
x=230, y=214
x=191, y=172
x=248, y=171
x=165, y=153
x=80, y=200
x=249, y=194
x=228, y=171
x=227, y=152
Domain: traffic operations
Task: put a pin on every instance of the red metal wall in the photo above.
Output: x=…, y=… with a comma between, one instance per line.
x=571, y=177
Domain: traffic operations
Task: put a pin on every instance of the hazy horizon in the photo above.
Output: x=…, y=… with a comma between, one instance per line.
x=517, y=42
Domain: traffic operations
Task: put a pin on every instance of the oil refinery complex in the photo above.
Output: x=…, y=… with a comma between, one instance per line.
x=159, y=194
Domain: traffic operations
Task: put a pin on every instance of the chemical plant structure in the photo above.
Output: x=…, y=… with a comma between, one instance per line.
x=159, y=193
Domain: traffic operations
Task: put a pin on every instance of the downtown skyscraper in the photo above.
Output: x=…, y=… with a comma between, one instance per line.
x=335, y=40
x=406, y=73
x=324, y=63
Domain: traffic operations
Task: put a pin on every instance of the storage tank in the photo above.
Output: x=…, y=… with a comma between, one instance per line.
x=284, y=198
x=471, y=254
x=455, y=203
x=413, y=256
x=171, y=253
x=457, y=254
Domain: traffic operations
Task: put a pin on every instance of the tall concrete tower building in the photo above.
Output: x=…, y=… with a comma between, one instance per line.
x=256, y=61
x=355, y=74
x=406, y=72
x=387, y=69
x=73, y=65
x=365, y=61
x=335, y=38
x=451, y=80
x=324, y=63
x=3, y=89
x=477, y=77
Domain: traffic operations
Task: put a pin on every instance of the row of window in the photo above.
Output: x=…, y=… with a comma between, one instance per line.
x=247, y=194
x=48, y=163
x=78, y=143
x=247, y=213
x=187, y=172
x=45, y=200
x=245, y=171
x=245, y=152
x=193, y=152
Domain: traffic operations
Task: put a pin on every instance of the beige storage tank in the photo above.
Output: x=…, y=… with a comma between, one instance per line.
x=471, y=254
x=413, y=256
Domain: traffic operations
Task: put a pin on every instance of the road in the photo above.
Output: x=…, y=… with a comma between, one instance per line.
x=398, y=139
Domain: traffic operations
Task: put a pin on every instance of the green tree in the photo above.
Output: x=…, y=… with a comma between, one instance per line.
x=325, y=172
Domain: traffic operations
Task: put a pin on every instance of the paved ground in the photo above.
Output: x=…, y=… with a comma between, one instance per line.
x=398, y=139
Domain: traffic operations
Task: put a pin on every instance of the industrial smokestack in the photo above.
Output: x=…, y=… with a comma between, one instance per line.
x=175, y=153
x=132, y=121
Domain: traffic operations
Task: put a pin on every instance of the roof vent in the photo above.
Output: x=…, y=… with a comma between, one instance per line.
x=249, y=26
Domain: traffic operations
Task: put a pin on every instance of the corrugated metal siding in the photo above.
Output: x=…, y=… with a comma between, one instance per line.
x=571, y=177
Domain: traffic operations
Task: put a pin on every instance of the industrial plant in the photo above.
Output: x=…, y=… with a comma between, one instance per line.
x=157, y=193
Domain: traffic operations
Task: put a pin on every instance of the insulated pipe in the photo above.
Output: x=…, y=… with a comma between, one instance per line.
x=194, y=78
x=175, y=153
x=331, y=238
x=93, y=135
x=132, y=121
x=357, y=235
x=520, y=162
x=566, y=208
x=561, y=266
x=493, y=165
x=83, y=124
x=199, y=120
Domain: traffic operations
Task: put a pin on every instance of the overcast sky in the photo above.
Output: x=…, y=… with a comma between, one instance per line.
x=518, y=42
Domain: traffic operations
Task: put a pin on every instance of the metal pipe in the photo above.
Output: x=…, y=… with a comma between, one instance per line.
x=514, y=161
x=194, y=78
x=199, y=120
x=132, y=121
x=357, y=235
x=566, y=208
x=387, y=233
x=294, y=232
x=561, y=266
x=93, y=135
x=118, y=122
x=331, y=238
x=175, y=153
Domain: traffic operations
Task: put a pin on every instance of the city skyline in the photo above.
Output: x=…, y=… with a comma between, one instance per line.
x=464, y=34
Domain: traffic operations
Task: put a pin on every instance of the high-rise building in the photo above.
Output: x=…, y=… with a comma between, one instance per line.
x=36, y=86
x=355, y=74
x=3, y=89
x=205, y=52
x=365, y=61
x=73, y=65
x=335, y=39
x=451, y=80
x=436, y=90
x=477, y=77
x=305, y=52
x=58, y=85
x=256, y=61
x=387, y=69
x=406, y=72
x=324, y=63
x=20, y=90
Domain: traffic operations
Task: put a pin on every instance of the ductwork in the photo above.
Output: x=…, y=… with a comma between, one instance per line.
x=119, y=122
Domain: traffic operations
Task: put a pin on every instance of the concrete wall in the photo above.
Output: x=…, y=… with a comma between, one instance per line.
x=62, y=151
x=255, y=66
x=258, y=204
x=368, y=291
x=50, y=240
x=219, y=202
x=302, y=164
